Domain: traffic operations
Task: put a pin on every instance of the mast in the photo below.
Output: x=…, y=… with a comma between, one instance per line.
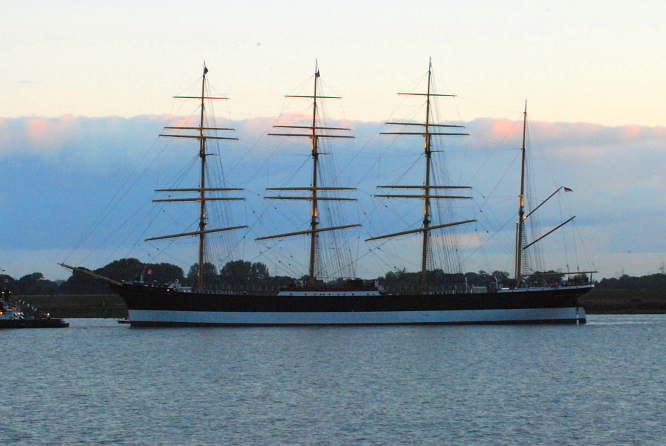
x=314, y=132
x=522, y=260
x=314, y=214
x=426, y=198
x=520, y=227
x=429, y=130
x=202, y=190
x=202, y=193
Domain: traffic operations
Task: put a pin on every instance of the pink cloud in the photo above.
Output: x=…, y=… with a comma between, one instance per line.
x=190, y=121
x=48, y=133
x=506, y=127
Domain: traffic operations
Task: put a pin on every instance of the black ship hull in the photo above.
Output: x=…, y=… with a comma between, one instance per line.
x=33, y=323
x=159, y=306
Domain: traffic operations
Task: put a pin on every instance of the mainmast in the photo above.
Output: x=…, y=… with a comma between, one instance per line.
x=429, y=130
x=202, y=190
x=314, y=132
x=520, y=227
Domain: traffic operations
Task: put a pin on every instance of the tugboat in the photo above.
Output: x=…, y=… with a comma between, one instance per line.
x=12, y=316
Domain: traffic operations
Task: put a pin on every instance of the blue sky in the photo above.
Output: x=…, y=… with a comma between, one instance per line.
x=86, y=86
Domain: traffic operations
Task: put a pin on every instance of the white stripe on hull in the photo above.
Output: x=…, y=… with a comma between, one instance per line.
x=535, y=315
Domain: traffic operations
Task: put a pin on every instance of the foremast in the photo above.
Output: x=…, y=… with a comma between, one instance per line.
x=430, y=129
x=314, y=132
x=202, y=136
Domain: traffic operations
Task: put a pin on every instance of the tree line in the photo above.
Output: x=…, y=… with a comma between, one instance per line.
x=447, y=281
x=625, y=282
x=234, y=274
x=240, y=274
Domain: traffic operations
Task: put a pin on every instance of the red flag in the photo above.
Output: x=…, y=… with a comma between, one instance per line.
x=149, y=271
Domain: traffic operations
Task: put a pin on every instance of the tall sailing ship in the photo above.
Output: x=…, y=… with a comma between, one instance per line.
x=313, y=301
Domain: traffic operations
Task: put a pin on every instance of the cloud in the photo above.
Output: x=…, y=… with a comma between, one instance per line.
x=90, y=142
x=62, y=175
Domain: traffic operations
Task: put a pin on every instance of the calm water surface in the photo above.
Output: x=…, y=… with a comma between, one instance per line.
x=100, y=382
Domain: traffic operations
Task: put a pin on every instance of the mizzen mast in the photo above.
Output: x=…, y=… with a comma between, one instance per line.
x=520, y=227
x=314, y=132
x=430, y=129
x=201, y=134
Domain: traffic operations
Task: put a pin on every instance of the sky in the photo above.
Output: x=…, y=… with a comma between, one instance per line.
x=87, y=86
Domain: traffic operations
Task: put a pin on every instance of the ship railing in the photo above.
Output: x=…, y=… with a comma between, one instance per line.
x=415, y=289
x=243, y=289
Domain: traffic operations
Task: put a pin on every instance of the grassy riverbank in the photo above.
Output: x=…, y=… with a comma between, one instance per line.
x=112, y=306
x=624, y=302
x=105, y=306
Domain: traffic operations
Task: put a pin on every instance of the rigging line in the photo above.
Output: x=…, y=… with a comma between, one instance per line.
x=114, y=202
x=436, y=81
x=494, y=151
x=490, y=238
x=588, y=257
x=466, y=149
x=564, y=233
x=377, y=159
x=342, y=267
x=367, y=215
x=409, y=169
x=381, y=258
x=535, y=255
x=484, y=254
x=542, y=152
x=490, y=106
x=305, y=84
x=193, y=87
x=112, y=205
x=298, y=169
x=116, y=231
x=168, y=255
x=178, y=177
x=277, y=251
x=270, y=156
x=351, y=162
x=416, y=82
x=506, y=171
x=245, y=155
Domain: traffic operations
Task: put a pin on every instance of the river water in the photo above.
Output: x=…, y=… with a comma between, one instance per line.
x=100, y=382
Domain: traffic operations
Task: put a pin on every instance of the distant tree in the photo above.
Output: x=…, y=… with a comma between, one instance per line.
x=7, y=282
x=34, y=284
x=242, y=272
x=163, y=273
x=210, y=274
x=258, y=273
x=440, y=280
x=236, y=272
x=626, y=282
x=81, y=283
x=119, y=270
x=502, y=278
x=123, y=269
x=473, y=279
